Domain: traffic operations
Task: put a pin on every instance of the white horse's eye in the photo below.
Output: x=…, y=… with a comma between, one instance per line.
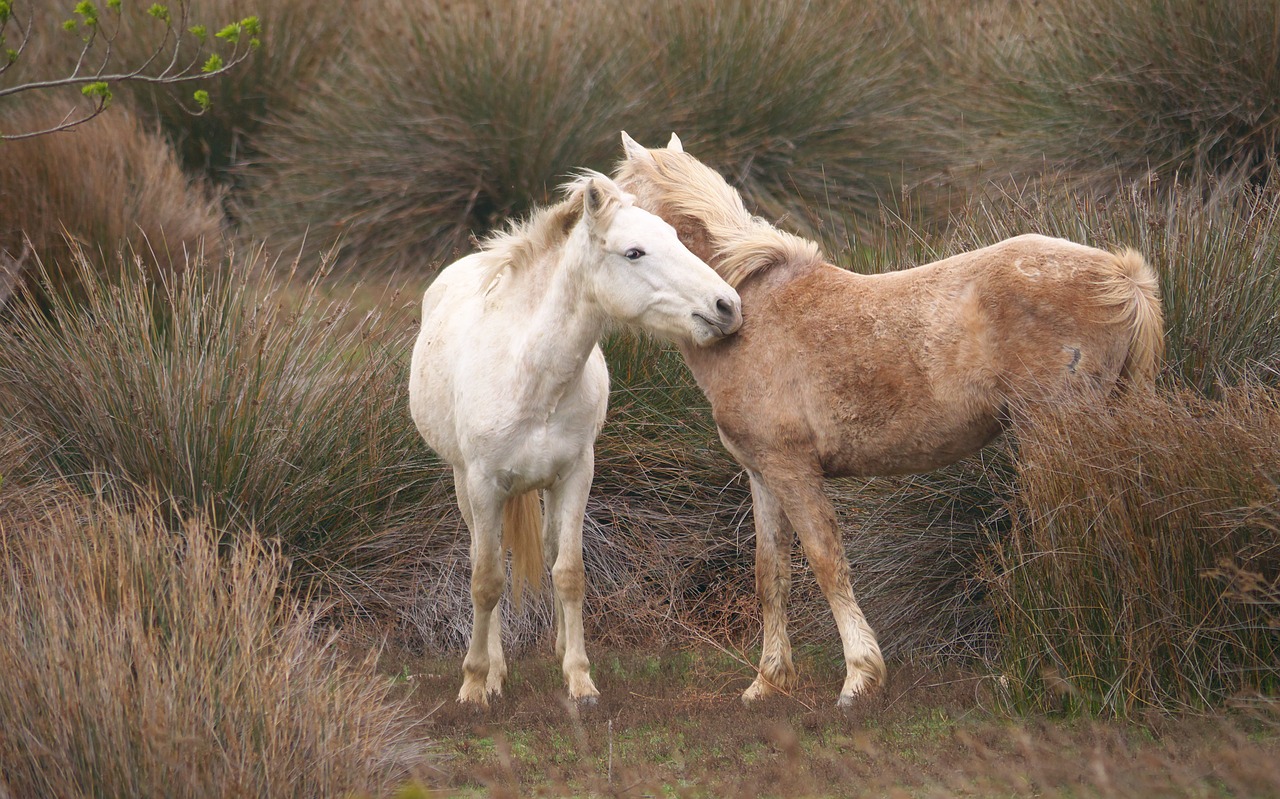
x=634, y=253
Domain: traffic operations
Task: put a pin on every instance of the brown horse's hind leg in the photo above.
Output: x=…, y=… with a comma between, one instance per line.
x=814, y=520
x=773, y=583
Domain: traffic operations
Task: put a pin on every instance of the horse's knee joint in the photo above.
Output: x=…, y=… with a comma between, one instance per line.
x=485, y=594
x=568, y=580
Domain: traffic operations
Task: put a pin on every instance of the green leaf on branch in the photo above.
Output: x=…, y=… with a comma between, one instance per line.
x=89, y=11
x=199, y=31
x=6, y=10
x=213, y=64
x=69, y=25
x=231, y=33
x=98, y=91
x=202, y=99
x=161, y=12
x=114, y=5
x=252, y=26
x=10, y=55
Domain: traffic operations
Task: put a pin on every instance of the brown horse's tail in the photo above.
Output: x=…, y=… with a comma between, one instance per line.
x=522, y=532
x=1135, y=290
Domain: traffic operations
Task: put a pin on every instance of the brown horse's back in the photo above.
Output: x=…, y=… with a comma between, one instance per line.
x=908, y=371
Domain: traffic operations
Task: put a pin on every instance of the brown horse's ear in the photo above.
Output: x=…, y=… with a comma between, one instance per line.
x=634, y=151
x=675, y=144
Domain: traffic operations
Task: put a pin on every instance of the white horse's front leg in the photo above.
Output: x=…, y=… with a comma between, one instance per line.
x=497, y=660
x=773, y=584
x=566, y=507
x=799, y=492
x=484, y=509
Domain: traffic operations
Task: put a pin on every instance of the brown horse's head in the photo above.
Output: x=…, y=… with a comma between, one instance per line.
x=707, y=212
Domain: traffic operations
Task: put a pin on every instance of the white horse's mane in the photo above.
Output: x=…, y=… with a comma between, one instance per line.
x=525, y=241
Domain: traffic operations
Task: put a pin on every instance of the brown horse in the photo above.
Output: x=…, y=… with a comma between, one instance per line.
x=835, y=373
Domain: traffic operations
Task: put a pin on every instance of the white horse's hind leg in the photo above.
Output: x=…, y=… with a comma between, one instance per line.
x=551, y=551
x=487, y=581
x=566, y=506
x=497, y=661
x=814, y=519
x=773, y=583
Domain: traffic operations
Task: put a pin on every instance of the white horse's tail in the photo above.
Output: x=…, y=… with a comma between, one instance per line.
x=1136, y=291
x=522, y=533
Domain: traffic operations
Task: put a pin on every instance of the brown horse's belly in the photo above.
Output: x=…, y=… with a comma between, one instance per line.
x=923, y=447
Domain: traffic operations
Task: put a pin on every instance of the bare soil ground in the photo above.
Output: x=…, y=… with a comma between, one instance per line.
x=671, y=724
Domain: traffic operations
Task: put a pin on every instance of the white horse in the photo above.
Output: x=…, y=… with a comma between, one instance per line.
x=508, y=384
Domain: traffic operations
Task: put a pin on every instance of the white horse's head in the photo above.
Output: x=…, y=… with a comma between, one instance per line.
x=644, y=275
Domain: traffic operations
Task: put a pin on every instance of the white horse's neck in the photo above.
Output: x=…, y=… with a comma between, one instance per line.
x=565, y=326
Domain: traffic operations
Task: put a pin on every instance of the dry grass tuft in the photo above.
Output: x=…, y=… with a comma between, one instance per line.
x=1142, y=566
x=139, y=659
x=107, y=190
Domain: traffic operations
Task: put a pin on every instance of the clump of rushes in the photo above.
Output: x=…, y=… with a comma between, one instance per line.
x=1167, y=86
x=445, y=126
x=113, y=188
x=1215, y=248
x=254, y=400
x=143, y=659
x=1141, y=569
x=813, y=110
x=458, y=117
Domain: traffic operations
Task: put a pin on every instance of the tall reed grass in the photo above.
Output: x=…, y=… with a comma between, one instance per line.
x=812, y=109
x=1142, y=567
x=302, y=44
x=143, y=659
x=233, y=394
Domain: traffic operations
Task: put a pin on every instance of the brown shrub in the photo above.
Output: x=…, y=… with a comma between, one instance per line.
x=108, y=188
x=1142, y=567
x=138, y=660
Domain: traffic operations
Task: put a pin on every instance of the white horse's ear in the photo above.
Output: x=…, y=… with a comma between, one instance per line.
x=675, y=144
x=634, y=151
x=595, y=199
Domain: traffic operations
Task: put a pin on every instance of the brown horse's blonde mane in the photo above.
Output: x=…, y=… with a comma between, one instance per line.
x=525, y=241
x=691, y=192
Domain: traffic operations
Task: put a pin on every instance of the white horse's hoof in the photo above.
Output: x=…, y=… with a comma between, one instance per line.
x=590, y=700
x=755, y=693
x=474, y=695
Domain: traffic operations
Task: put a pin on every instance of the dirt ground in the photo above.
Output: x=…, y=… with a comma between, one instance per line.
x=671, y=724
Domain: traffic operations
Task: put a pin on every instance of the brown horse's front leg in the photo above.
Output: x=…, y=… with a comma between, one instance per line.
x=773, y=584
x=799, y=492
